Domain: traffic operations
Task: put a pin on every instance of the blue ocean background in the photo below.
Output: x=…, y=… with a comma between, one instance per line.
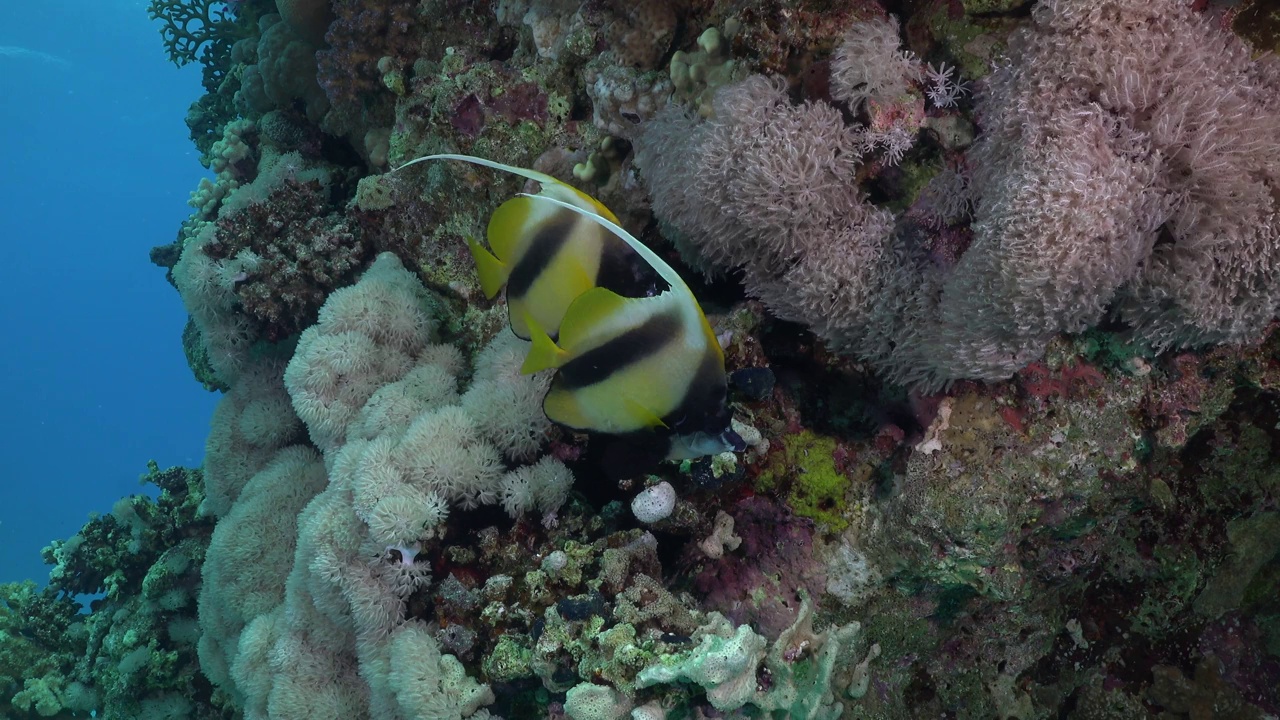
x=96, y=170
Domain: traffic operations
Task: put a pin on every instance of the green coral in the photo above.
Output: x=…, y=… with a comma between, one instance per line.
x=589, y=701
x=198, y=358
x=1111, y=350
x=132, y=652
x=1254, y=542
x=510, y=659
x=969, y=41
x=1170, y=590
x=805, y=465
x=191, y=26
x=980, y=7
x=1258, y=22
x=35, y=650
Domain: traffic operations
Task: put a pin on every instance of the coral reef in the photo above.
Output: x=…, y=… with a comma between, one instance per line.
x=996, y=293
x=132, y=652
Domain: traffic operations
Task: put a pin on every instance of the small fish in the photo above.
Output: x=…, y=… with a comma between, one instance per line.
x=545, y=255
x=632, y=364
x=629, y=365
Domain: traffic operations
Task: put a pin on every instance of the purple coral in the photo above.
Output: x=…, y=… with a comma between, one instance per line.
x=761, y=581
x=362, y=33
x=301, y=250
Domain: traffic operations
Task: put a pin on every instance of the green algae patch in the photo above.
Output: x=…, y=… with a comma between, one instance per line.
x=985, y=7
x=804, y=467
x=970, y=41
x=511, y=660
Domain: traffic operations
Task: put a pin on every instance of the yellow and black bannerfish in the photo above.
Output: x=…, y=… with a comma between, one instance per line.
x=631, y=364
x=624, y=365
x=545, y=255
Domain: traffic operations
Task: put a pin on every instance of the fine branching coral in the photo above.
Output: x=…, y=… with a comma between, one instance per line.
x=198, y=29
x=870, y=64
x=769, y=188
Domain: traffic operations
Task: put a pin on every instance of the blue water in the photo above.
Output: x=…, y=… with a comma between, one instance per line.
x=95, y=169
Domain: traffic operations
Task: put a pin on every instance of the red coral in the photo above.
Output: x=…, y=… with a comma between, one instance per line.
x=1071, y=381
x=468, y=116
x=403, y=225
x=523, y=101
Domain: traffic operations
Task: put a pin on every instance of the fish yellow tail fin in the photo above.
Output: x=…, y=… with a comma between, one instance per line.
x=544, y=353
x=492, y=271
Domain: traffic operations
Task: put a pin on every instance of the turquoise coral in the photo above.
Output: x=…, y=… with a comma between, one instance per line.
x=809, y=674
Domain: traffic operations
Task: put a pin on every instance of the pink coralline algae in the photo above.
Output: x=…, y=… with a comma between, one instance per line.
x=760, y=582
x=468, y=116
x=524, y=101
x=507, y=100
x=1072, y=380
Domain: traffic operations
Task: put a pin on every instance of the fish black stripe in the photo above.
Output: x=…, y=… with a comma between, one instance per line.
x=703, y=407
x=632, y=346
x=547, y=241
x=623, y=271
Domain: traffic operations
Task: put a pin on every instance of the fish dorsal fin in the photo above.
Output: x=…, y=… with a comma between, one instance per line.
x=522, y=172
x=491, y=271
x=642, y=413
x=534, y=175
x=544, y=353
x=589, y=311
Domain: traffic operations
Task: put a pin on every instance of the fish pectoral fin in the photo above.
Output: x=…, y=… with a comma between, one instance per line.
x=491, y=271
x=544, y=353
x=589, y=312
x=641, y=412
